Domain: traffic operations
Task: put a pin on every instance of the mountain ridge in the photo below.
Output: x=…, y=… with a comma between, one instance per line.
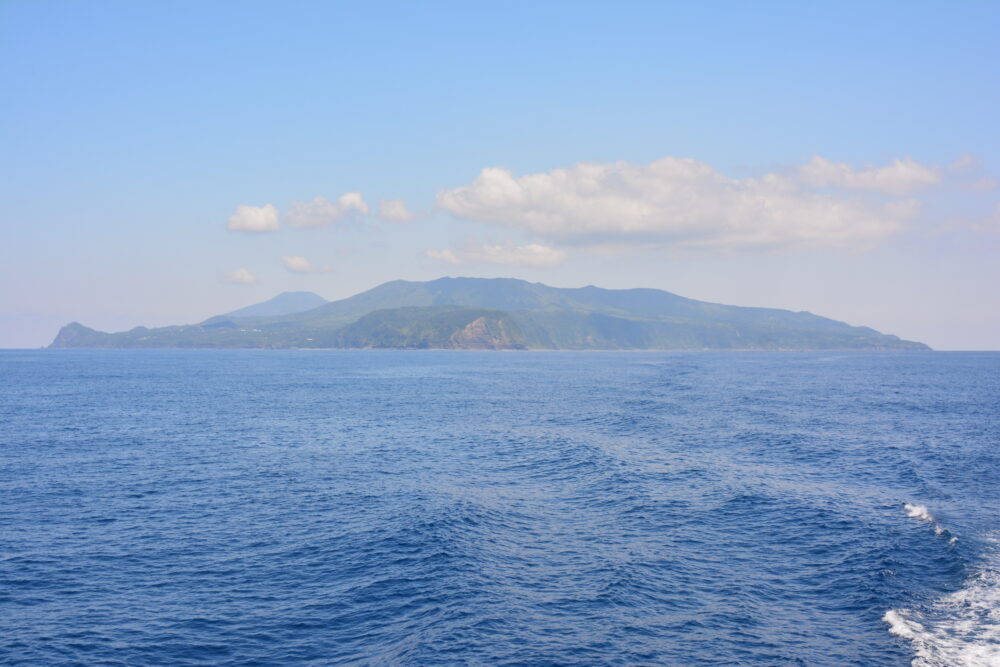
x=504, y=313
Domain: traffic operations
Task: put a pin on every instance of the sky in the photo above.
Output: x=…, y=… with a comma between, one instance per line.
x=164, y=162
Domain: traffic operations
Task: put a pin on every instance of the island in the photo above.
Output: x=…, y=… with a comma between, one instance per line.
x=497, y=314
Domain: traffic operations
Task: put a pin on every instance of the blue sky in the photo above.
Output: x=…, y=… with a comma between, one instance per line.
x=833, y=157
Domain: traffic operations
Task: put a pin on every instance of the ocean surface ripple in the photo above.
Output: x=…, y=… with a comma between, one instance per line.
x=549, y=508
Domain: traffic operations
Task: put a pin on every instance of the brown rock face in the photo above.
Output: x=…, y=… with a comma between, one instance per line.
x=483, y=334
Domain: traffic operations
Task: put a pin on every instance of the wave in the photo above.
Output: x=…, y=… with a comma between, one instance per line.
x=959, y=629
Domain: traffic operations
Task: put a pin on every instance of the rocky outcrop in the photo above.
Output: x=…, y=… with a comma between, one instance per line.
x=485, y=334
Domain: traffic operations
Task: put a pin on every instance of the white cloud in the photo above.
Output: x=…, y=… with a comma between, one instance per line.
x=902, y=177
x=531, y=254
x=353, y=200
x=296, y=264
x=321, y=212
x=317, y=213
x=674, y=200
x=394, y=210
x=240, y=277
x=444, y=255
x=254, y=219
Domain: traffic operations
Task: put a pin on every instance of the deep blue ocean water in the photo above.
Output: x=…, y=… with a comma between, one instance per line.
x=534, y=508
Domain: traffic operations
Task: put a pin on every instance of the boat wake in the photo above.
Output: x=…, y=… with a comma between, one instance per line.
x=962, y=628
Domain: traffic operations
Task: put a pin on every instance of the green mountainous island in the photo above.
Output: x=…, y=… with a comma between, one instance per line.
x=497, y=314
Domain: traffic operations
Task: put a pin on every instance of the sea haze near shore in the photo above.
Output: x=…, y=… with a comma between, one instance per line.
x=241, y=507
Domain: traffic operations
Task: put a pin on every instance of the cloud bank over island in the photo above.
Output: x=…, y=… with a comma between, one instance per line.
x=676, y=202
x=686, y=202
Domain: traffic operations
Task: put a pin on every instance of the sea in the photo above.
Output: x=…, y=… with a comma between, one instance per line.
x=499, y=508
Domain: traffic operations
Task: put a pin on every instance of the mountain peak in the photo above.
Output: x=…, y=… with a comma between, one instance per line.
x=286, y=303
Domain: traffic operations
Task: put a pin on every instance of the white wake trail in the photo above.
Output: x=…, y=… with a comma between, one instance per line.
x=961, y=629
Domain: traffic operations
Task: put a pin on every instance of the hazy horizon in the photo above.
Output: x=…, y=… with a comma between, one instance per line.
x=328, y=300
x=170, y=162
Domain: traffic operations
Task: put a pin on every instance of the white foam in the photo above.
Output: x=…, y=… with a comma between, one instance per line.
x=959, y=630
x=918, y=512
x=921, y=512
x=902, y=627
